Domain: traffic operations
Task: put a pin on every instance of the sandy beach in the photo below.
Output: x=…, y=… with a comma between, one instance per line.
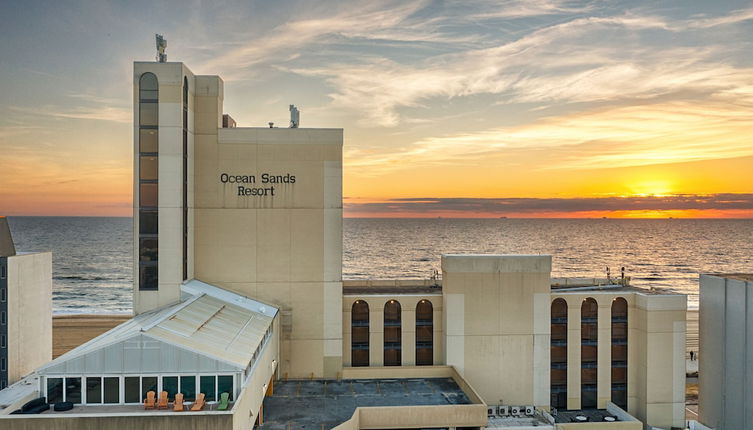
x=69, y=331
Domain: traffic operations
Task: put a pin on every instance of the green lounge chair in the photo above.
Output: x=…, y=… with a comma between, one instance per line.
x=223, y=402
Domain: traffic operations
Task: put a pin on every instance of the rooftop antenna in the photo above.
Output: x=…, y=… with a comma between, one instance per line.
x=161, y=46
x=295, y=117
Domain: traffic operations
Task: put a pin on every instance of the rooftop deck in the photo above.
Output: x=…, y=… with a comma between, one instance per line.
x=327, y=403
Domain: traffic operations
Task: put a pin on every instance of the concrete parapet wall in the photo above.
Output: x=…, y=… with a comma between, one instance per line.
x=187, y=421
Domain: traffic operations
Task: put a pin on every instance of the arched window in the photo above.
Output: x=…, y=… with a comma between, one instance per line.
x=424, y=333
x=392, y=333
x=559, y=354
x=589, y=339
x=359, y=331
x=148, y=180
x=619, y=351
x=185, y=178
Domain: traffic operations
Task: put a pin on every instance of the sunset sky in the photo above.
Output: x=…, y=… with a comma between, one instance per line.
x=483, y=108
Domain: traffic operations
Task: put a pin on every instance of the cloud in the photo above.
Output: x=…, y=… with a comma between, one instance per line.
x=591, y=59
x=96, y=113
x=661, y=133
x=502, y=206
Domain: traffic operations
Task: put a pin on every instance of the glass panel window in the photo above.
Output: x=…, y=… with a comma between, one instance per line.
x=132, y=389
x=73, y=390
x=188, y=387
x=148, y=249
x=54, y=390
x=148, y=383
x=112, y=389
x=148, y=167
x=148, y=222
x=207, y=386
x=148, y=277
x=148, y=114
x=225, y=385
x=148, y=140
x=93, y=390
x=148, y=195
x=170, y=384
x=3, y=294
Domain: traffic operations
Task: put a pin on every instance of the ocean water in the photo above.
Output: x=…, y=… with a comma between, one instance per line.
x=92, y=256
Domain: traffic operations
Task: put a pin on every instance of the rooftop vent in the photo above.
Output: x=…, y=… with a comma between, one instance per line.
x=295, y=117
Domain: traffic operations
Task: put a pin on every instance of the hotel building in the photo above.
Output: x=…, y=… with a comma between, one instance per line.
x=25, y=309
x=238, y=289
x=725, y=396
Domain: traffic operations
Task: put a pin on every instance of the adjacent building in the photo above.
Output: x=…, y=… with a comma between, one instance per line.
x=725, y=396
x=238, y=289
x=25, y=309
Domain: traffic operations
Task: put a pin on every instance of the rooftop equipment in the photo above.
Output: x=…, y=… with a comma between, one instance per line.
x=161, y=46
x=295, y=117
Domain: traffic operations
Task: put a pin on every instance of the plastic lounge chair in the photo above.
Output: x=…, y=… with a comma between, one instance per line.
x=199, y=403
x=162, y=400
x=178, y=404
x=223, y=402
x=149, y=402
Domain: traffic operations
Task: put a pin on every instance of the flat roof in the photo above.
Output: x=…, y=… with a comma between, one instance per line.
x=591, y=415
x=317, y=403
x=738, y=276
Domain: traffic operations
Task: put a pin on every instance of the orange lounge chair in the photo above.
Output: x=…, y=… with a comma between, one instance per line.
x=178, y=404
x=150, y=401
x=199, y=403
x=162, y=400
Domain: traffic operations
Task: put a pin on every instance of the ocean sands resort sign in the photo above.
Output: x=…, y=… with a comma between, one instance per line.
x=253, y=185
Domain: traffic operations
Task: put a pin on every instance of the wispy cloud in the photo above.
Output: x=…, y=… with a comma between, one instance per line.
x=661, y=133
x=501, y=206
x=562, y=63
x=95, y=113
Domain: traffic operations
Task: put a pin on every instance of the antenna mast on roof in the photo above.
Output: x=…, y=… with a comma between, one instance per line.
x=161, y=46
x=295, y=117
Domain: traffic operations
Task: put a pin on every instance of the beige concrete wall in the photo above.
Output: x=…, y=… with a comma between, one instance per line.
x=155, y=420
x=29, y=313
x=726, y=352
x=247, y=406
x=408, y=303
x=631, y=425
x=170, y=183
x=656, y=363
x=284, y=249
x=496, y=325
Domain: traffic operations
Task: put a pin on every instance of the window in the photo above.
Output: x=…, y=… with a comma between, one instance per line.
x=225, y=385
x=54, y=390
x=2, y=271
x=619, y=351
x=148, y=277
x=185, y=178
x=132, y=389
x=589, y=352
x=94, y=390
x=148, y=383
x=148, y=249
x=73, y=390
x=188, y=387
x=3, y=318
x=148, y=141
x=3, y=341
x=112, y=389
x=208, y=386
x=148, y=179
x=359, y=331
x=392, y=333
x=170, y=384
x=3, y=294
x=148, y=195
x=558, y=354
x=3, y=365
x=424, y=333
